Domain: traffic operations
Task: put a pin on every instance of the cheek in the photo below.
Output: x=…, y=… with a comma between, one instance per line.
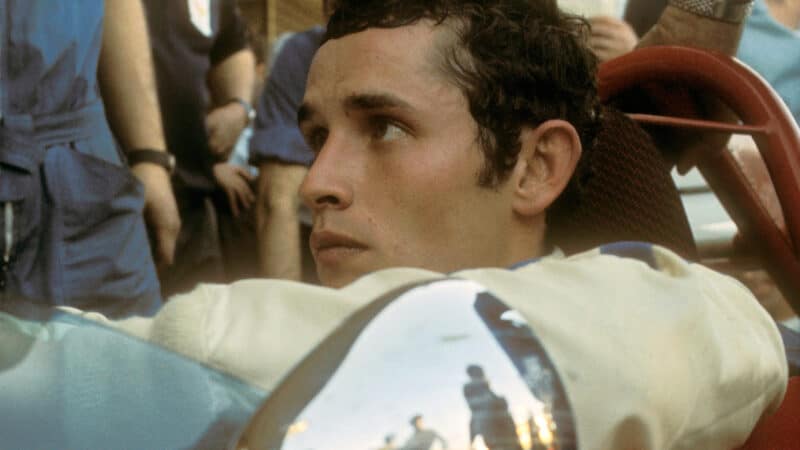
x=424, y=205
x=418, y=196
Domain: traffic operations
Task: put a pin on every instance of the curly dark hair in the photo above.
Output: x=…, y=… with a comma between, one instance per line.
x=518, y=62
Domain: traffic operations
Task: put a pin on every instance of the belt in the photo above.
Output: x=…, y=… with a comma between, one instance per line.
x=24, y=139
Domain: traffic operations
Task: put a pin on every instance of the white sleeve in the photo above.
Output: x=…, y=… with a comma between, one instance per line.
x=257, y=330
x=680, y=358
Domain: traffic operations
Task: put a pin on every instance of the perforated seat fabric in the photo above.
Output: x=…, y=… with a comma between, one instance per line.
x=628, y=195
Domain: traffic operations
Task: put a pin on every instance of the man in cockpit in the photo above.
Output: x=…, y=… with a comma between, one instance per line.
x=444, y=131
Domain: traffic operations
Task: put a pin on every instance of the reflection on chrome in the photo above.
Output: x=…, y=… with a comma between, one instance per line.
x=393, y=377
x=297, y=427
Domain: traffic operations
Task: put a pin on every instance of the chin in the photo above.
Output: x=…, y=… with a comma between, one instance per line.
x=341, y=276
x=337, y=279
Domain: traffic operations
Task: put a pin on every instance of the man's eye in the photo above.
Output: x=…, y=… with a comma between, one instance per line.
x=385, y=130
x=316, y=139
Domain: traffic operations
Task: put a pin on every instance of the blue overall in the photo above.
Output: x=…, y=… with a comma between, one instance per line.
x=71, y=228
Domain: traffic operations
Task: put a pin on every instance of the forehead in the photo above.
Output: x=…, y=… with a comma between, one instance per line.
x=402, y=60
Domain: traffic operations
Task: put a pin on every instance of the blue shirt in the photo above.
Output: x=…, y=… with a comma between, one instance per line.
x=276, y=135
x=773, y=51
x=48, y=55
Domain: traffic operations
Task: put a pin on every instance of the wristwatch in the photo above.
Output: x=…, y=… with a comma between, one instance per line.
x=733, y=11
x=162, y=158
x=248, y=108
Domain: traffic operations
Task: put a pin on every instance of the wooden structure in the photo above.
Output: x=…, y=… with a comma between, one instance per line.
x=271, y=18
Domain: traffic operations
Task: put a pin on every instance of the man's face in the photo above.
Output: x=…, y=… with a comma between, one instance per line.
x=394, y=182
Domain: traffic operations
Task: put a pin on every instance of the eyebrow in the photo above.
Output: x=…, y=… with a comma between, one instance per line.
x=374, y=101
x=361, y=102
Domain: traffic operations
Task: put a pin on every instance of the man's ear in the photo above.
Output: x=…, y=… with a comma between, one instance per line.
x=547, y=159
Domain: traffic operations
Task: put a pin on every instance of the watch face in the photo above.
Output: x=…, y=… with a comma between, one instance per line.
x=171, y=162
x=433, y=366
x=250, y=112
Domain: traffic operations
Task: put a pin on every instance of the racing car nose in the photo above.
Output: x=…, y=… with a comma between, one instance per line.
x=437, y=365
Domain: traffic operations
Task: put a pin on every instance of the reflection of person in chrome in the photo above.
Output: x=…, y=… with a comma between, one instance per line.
x=490, y=416
x=423, y=438
x=388, y=442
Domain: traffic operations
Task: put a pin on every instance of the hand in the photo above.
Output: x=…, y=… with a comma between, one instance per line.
x=224, y=125
x=611, y=37
x=235, y=181
x=160, y=211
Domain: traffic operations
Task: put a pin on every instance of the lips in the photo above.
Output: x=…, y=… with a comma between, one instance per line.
x=331, y=247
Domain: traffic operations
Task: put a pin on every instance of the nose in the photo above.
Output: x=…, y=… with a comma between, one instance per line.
x=327, y=183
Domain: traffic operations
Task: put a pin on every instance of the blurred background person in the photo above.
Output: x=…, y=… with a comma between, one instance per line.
x=205, y=74
x=423, y=438
x=282, y=156
x=771, y=46
x=388, y=442
x=236, y=180
x=70, y=211
x=611, y=36
x=490, y=417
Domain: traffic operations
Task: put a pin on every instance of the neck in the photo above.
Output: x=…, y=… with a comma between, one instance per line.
x=785, y=12
x=528, y=241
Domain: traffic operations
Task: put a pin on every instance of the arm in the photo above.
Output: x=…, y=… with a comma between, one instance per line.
x=231, y=79
x=726, y=368
x=277, y=222
x=235, y=181
x=279, y=150
x=127, y=82
x=611, y=37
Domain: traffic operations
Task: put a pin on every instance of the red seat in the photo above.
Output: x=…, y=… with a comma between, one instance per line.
x=759, y=188
x=780, y=431
x=626, y=194
x=768, y=220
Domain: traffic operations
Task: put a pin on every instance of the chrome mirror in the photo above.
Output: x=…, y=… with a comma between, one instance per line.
x=442, y=365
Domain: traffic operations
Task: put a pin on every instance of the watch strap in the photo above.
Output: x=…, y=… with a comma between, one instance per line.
x=160, y=157
x=733, y=11
x=248, y=108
